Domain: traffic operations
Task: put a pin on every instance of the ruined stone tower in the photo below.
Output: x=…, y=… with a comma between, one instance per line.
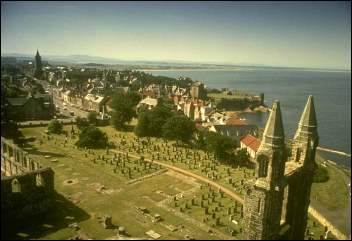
x=263, y=200
x=276, y=204
x=300, y=177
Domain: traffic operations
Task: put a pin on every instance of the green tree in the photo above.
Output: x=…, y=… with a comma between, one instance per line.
x=92, y=118
x=179, y=128
x=123, y=106
x=92, y=137
x=218, y=144
x=150, y=122
x=142, y=127
x=321, y=174
x=242, y=157
x=55, y=127
x=81, y=123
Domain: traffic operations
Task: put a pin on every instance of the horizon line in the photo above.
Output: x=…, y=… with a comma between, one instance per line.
x=175, y=61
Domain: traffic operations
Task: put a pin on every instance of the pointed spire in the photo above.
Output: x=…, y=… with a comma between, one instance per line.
x=308, y=117
x=274, y=130
x=308, y=121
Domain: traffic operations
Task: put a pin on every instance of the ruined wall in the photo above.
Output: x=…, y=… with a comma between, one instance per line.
x=27, y=188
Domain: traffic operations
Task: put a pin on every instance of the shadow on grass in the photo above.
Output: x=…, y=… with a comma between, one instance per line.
x=58, y=217
x=31, y=149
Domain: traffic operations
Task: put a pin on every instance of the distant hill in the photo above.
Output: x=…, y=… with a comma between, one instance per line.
x=101, y=61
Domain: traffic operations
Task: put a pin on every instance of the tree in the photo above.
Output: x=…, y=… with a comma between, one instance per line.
x=92, y=137
x=92, y=118
x=55, y=127
x=242, y=157
x=81, y=123
x=218, y=144
x=179, y=128
x=123, y=106
x=321, y=174
x=150, y=122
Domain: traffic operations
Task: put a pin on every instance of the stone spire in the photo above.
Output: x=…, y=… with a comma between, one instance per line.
x=274, y=132
x=308, y=121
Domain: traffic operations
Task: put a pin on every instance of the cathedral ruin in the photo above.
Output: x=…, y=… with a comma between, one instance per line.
x=276, y=203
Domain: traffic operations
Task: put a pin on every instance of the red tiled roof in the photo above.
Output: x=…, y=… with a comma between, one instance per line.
x=251, y=142
x=236, y=122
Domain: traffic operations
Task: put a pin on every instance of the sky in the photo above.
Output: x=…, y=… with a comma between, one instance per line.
x=293, y=34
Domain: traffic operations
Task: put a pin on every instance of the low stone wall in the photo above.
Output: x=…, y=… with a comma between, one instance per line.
x=325, y=222
x=42, y=123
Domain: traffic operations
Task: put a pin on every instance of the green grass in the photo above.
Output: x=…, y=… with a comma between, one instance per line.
x=120, y=203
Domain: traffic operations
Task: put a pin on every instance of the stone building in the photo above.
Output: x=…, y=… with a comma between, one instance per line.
x=276, y=203
x=198, y=91
x=32, y=107
x=27, y=187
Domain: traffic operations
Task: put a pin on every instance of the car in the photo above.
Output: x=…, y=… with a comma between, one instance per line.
x=65, y=108
x=72, y=113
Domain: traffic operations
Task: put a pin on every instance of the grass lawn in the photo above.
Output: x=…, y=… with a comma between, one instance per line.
x=96, y=182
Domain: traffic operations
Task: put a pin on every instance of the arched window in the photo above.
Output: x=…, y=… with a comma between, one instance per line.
x=15, y=186
x=298, y=155
x=39, y=180
x=263, y=166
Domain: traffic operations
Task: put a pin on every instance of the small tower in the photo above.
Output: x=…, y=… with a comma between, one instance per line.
x=263, y=200
x=304, y=147
x=38, y=72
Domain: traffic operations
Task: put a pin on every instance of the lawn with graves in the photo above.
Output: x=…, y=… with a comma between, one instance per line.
x=105, y=182
x=120, y=182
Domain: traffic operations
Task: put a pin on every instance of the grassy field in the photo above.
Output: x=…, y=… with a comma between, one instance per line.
x=92, y=183
x=331, y=198
x=90, y=189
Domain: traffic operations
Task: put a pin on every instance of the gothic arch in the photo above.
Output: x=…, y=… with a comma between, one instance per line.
x=15, y=186
x=39, y=180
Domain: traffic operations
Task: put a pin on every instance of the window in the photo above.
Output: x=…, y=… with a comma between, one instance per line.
x=15, y=186
x=298, y=155
x=39, y=180
x=263, y=166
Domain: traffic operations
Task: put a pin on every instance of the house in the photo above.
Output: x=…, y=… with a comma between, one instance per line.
x=251, y=144
x=148, y=102
x=92, y=102
x=198, y=91
x=32, y=107
x=235, y=130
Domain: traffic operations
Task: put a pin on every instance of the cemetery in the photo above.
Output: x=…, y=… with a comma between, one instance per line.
x=124, y=182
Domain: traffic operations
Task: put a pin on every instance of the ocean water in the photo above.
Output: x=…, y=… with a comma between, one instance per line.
x=331, y=91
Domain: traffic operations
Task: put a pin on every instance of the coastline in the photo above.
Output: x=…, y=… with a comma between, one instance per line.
x=240, y=69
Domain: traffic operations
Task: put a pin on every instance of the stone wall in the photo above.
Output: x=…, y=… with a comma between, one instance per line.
x=27, y=188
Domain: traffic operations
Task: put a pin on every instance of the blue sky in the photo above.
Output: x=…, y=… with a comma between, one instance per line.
x=297, y=34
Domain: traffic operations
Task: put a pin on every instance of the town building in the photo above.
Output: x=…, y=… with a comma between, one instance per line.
x=198, y=91
x=32, y=107
x=148, y=103
x=251, y=144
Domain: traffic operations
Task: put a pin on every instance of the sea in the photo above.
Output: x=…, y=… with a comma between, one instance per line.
x=331, y=91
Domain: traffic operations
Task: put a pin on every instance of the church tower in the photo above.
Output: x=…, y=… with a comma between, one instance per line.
x=263, y=200
x=304, y=147
x=38, y=72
